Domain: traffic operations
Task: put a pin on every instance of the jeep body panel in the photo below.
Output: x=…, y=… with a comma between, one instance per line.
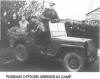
x=77, y=42
x=58, y=42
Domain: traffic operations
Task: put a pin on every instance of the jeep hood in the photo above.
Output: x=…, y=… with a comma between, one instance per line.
x=70, y=41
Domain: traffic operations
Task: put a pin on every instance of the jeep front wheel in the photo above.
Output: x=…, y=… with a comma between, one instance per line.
x=21, y=53
x=73, y=62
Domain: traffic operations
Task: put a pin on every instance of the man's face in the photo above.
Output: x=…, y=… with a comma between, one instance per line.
x=32, y=19
x=51, y=7
x=14, y=17
x=23, y=18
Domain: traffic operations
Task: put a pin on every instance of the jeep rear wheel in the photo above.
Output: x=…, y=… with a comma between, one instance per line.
x=21, y=53
x=73, y=62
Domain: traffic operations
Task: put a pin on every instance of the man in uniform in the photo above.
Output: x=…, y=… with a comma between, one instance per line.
x=49, y=14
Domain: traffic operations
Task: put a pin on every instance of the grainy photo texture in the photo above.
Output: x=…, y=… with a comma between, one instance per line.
x=49, y=35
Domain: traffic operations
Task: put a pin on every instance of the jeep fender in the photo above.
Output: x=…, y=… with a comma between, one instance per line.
x=64, y=49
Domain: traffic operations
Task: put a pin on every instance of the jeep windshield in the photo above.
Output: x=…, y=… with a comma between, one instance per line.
x=57, y=29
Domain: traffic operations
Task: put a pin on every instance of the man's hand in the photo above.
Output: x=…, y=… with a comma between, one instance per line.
x=45, y=18
x=55, y=20
x=33, y=30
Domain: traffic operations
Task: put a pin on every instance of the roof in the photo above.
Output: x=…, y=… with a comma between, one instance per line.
x=93, y=11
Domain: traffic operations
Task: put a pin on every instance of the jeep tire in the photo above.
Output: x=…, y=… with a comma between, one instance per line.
x=73, y=62
x=21, y=53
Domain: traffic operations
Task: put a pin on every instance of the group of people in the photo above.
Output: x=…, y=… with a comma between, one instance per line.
x=40, y=23
x=19, y=25
x=47, y=15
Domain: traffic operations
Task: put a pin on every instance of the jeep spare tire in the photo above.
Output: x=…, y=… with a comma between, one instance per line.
x=73, y=62
x=21, y=53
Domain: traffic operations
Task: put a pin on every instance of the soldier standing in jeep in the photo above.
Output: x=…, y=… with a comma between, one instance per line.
x=49, y=14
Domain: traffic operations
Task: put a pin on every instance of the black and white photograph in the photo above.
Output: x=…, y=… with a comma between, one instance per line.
x=49, y=35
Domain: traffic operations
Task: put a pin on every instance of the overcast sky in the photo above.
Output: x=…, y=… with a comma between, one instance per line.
x=75, y=9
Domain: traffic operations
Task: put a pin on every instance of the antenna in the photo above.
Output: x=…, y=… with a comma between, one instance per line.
x=91, y=6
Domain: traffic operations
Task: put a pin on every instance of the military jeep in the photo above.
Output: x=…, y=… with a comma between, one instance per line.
x=74, y=53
